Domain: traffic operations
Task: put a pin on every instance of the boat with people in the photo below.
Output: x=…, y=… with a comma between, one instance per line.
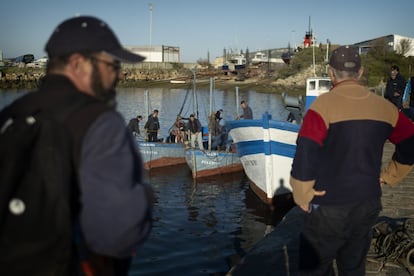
x=266, y=147
x=219, y=157
x=164, y=152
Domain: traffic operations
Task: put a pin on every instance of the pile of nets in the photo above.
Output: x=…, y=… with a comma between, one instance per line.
x=393, y=241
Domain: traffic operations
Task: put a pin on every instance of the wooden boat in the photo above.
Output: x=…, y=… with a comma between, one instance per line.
x=266, y=147
x=212, y=161
x=160, y=154
x=178, y=81
x=163, y=153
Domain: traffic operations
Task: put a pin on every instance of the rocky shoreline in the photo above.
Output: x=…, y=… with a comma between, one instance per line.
x=29, y=79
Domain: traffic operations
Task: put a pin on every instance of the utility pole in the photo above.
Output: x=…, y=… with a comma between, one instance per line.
x=150, y=24
x=327, y=50
x=150, y=34
x=313, y=55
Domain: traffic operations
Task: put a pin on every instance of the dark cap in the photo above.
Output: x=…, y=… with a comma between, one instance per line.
x=192, y=115
x=345, y=58
x=87, y=34
x=396, y=68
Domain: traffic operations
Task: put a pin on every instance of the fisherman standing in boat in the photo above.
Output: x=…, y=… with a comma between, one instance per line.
x=133, y=125
x=152, y=126
x=336, y=172
x=194, y=130
x=247, y=111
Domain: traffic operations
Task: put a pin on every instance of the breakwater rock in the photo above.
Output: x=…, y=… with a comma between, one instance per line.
x=29, y=78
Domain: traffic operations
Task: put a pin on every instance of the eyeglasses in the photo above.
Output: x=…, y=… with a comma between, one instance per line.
x=116, y=65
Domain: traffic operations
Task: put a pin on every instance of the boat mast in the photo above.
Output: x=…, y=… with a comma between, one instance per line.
x=195, y=107
x=237, y=101
x=150, y=35
x=313, y=46
x=210, y=113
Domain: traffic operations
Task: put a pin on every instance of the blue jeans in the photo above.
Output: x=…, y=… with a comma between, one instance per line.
x=342, y=233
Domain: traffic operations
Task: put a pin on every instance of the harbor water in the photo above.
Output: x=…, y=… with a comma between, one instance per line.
x=201, y=227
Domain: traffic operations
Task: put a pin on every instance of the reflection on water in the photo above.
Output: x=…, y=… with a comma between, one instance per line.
x=201, y=227
x=7, y=97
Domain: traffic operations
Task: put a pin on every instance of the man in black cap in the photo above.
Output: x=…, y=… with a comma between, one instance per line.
x=111, y=205
x=336, y=173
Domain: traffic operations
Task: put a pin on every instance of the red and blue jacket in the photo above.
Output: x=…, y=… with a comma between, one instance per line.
x=340, y=147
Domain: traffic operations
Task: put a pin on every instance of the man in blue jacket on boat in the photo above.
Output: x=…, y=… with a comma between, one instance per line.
x=336, y=172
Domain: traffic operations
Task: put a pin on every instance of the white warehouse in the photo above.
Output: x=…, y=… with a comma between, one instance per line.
x=155, y=53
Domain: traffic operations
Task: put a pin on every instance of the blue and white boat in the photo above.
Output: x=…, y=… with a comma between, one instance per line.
x=266, y=147
x=160, y=154
x=214, y=160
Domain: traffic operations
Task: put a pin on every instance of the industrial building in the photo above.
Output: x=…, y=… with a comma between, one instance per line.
x=161, y=53
x=393, y=42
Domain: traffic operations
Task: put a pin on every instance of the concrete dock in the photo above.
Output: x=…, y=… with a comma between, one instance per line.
x=277, y=253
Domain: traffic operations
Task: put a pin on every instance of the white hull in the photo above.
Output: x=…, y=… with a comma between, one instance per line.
x=266, y=148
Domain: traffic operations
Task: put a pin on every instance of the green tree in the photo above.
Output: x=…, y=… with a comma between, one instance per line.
x=303, y=60
x=404, y=46
x=376, y=62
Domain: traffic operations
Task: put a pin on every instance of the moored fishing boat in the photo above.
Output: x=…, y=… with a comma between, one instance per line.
x=266, y=147
x=214, y=160
x=159, y=154
x=162, y=153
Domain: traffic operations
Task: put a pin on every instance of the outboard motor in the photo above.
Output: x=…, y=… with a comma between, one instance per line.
x=295, y=106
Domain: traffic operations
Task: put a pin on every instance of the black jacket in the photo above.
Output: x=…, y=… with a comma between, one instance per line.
x=152, y=123
x=395, y=85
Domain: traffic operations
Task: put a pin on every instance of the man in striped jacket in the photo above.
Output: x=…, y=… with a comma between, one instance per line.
x=336, y=174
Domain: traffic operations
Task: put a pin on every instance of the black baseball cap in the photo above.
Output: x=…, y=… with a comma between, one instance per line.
x=87, y=34
x=345, y=58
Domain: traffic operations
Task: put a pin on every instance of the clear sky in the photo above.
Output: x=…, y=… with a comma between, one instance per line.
x=202, y=26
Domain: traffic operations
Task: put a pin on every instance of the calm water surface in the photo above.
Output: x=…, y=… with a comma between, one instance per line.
x=201, y=227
